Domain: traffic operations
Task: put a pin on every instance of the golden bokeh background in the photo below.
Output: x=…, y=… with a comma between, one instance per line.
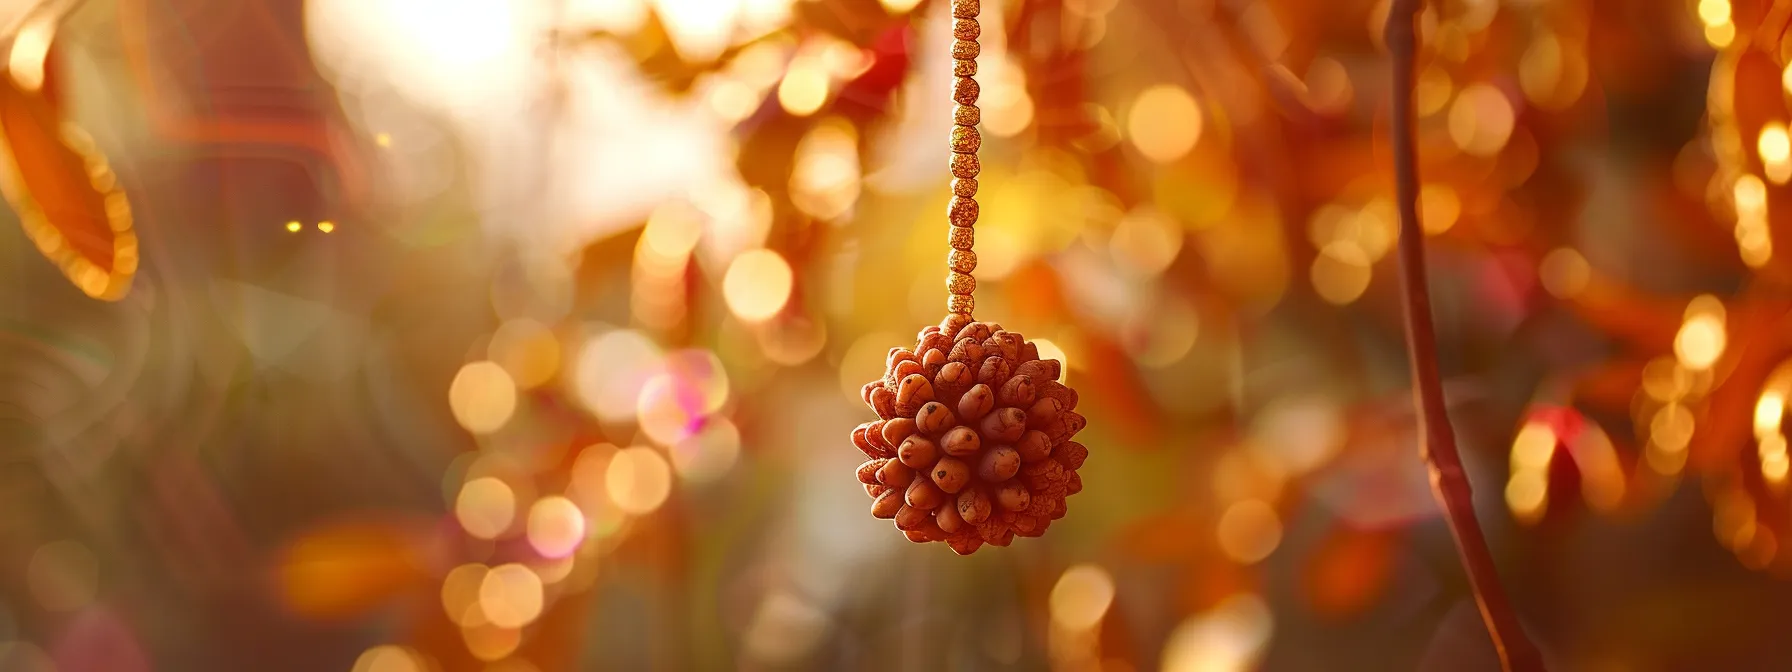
x=526, y=335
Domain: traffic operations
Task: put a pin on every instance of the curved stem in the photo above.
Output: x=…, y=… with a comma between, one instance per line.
x=1449, y=483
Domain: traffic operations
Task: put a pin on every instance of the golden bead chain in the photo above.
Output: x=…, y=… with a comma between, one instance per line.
x=962, y=213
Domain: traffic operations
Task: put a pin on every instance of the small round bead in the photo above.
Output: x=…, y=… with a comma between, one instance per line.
x=963, y=261
x=966, y=9
x=964, y=68
x=960, y=283
x=960, y=304
x=965, y=139
x=963, y=187
x=967, y=115
x=966, y=29
x=965, y=50
x=962, y=212
x=966, y=165
x=965, y=91
x=962, y=237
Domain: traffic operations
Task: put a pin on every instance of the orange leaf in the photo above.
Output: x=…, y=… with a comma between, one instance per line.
x=65, y=195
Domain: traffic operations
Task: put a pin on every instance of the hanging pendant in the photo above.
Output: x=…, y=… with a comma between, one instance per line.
x=974, y=441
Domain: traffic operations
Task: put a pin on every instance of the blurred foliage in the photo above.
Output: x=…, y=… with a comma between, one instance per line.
x=525, y=335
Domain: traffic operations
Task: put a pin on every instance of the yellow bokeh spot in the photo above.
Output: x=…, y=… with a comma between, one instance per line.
x=1773, y=468
x=1671, y=428
x=1714, y=12
x=482, y=397
x=672, y=231
x=1229, y=638
x=804, y=89
x=294, y=226
x=899, y=7
x=1775, y=148
x=1438, y=208
x=1533, y=446
x=1164, y=123
x=1145, y=241
x=638, y=480
x=1328, y=84
x=527, y=350
x=1481, y=120
x=1770, y=411
x=1700, y=341
x=1720, y=35
x=1750, y=196
x=389, y=658
x=485, y=507
x=30, y=49
x=1081, y=597
x=556, y=526
x=460, y=594
x=732, y=99
x=1564, y=272
x=326, y=226
x=1341, y=272
x=1007, y=109
x=757, y=285
x=1432, y=91
x=1773, y=144
x=1540, y=69
x=510, y=596
x=1527, y=493
x=610, y=369
x=825, y=180
x=490, y=642
x=383, y=139
x=1249, y=531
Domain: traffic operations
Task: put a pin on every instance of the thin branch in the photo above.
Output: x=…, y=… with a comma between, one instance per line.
x=1449, y=483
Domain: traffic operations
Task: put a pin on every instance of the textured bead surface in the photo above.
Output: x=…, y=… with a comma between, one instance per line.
x=963, y=261
x=996, y=459
x=966, y=9
x=966, y=29
x=964, y=187
x=960, y=304
x=965, y=139
x=967, y=115
x=965, y=90
x=961, y=237
x=965, y=50
x=966, y=165
x=960, y=283
x=962, y=211
x=964, y=68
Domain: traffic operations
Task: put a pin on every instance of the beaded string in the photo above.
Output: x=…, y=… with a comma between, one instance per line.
x=962, y=212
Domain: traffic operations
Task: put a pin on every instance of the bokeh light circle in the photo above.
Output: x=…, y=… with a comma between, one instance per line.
x=638, y=480
x=482, y=397
x=757, y=285
x=556, y=526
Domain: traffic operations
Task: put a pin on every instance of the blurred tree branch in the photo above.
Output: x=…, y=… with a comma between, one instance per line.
x=1448, y=481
